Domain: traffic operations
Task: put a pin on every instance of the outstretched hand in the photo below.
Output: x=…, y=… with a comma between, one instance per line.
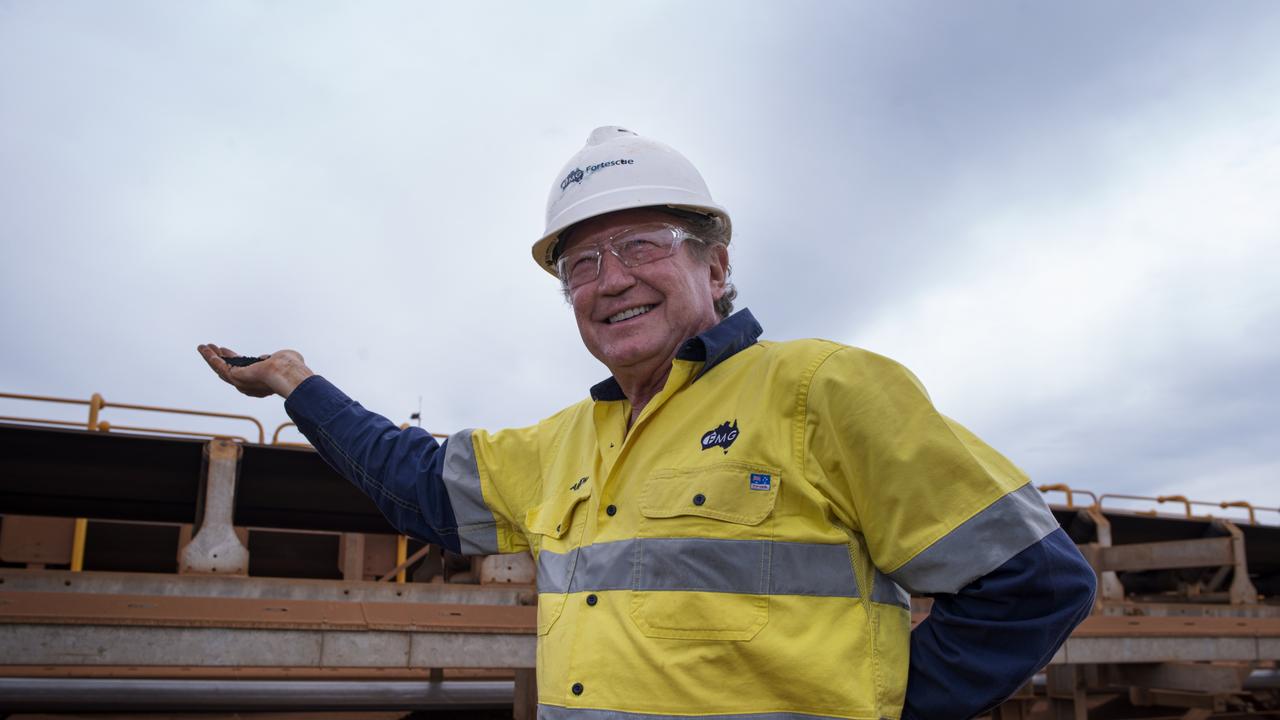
x=278, y=373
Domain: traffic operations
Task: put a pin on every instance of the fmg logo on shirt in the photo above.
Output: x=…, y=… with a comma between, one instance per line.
x=721, y=437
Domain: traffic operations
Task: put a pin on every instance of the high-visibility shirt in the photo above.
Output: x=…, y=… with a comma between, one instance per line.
x=746, y=547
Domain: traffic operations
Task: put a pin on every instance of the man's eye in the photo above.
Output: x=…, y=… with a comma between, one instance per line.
x=582, y=263
x=638, y=247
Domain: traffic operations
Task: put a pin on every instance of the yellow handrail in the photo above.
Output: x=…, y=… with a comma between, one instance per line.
x=105, y=426
x=7, y=418
x=1253, y=520
x=275, y=436
x=1070, y=492
x=97, y=404
x=155, y=408
x=1176, y=498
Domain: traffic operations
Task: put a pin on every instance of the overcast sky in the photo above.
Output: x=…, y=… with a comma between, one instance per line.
x=1064, y=217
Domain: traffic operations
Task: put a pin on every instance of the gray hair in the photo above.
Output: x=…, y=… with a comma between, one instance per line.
x=708, y=230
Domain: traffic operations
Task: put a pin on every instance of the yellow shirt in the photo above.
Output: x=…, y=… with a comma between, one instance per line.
x=744, y=547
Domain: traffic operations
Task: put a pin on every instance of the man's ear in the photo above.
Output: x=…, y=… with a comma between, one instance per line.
x=719, y=266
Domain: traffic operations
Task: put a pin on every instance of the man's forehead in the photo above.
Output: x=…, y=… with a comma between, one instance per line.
x=599, y=228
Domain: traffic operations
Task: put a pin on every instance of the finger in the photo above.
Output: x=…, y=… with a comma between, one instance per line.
x=216, y=363
x=210, y=355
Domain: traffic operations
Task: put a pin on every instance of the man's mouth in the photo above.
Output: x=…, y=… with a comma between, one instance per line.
x=628, y=314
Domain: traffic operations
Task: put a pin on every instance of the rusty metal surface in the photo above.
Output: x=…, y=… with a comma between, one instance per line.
x=196, y=672
x=26, y=539
x=51, y=608
x=1188, y=627
x=112, y=583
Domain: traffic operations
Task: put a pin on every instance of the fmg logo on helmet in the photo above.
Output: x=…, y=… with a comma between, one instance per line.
x=573, y=177
x=577, y=174
x=721, y=437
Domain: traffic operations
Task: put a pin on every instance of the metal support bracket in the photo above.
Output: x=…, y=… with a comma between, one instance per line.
x=1110, y=588
x=215, y=547
x=1242, y=590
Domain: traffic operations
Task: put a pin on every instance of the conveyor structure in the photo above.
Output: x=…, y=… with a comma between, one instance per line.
x=148, y=570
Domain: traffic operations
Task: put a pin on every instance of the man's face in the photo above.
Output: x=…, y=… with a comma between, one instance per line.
x=678, y=292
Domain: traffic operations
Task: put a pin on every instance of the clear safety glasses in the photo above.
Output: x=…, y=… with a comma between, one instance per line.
x=635, y=246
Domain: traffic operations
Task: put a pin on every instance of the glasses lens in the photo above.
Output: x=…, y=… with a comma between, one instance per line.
x=579, y=268
x=645, y=246
x=635, y=247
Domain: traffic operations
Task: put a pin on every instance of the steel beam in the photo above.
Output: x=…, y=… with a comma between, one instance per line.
x=1187, y=677
x=72, y=695
x=1170, y=555
x=156, y=584
x=29, y=644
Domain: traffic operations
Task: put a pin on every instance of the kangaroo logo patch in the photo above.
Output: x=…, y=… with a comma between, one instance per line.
x=721, y=437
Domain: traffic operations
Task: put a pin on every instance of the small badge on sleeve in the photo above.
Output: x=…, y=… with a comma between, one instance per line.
x=760, y=481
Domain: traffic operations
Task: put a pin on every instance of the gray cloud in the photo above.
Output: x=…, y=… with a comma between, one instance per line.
x=1055, y=214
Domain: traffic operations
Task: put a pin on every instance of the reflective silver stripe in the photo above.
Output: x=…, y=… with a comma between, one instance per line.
x=755, y=567
x=888, y=592
x=477, y=529
x=983, y=543
x=555, y=712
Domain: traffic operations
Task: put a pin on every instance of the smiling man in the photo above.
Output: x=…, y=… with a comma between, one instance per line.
x=727, y=526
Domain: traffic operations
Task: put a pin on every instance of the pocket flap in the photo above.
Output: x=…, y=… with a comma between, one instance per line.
x=554, y=516
x=734, y=492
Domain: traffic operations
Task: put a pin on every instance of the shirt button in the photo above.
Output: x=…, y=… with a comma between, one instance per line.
x=699, y=499
x=592, y=599
x=611, y=510
x=577, y=688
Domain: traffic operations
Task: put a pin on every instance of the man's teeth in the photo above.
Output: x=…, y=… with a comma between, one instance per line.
x=628, y=314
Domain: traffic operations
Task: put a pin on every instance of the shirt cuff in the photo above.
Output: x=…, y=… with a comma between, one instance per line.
x=314, y=402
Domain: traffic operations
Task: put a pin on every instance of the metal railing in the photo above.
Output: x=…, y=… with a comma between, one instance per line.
x=1099, y=502
x=97, y=404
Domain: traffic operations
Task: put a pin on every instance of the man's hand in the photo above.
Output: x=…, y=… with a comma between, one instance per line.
x=278, y=373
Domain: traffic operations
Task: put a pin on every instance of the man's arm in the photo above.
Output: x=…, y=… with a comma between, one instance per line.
x=402, y=471
x=978, y=644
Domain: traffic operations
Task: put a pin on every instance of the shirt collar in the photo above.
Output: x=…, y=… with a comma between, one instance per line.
x=737, y=332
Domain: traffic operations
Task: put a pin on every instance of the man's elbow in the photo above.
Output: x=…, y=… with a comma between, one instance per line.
x=1080, y=587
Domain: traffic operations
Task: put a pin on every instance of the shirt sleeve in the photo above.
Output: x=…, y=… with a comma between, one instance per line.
x=427, y=489
x=938, y=507
x=979, y=645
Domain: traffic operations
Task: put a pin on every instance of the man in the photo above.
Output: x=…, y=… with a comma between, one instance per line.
x=726, y=526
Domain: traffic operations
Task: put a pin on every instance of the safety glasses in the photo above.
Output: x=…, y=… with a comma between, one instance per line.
x=635, y=246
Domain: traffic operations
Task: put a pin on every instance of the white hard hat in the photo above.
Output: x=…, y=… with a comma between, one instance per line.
x=619, y=170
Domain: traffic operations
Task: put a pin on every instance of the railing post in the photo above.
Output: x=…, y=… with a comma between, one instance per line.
x=402, y=552
x=82, y=524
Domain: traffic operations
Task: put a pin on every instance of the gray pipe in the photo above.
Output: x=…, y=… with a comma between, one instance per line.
x=68, y=694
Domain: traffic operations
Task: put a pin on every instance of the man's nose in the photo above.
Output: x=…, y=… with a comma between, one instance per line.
x=614, y=276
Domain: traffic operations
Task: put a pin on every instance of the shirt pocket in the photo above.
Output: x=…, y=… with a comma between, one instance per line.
x=558, y=524
x=702, y=561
